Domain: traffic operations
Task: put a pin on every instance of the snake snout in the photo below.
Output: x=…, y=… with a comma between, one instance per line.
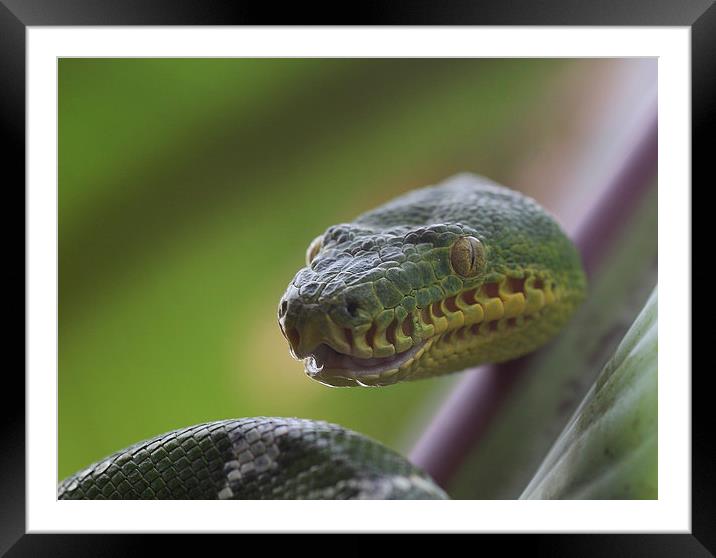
x=307, y=325
x=288, y=322
x=303, y=326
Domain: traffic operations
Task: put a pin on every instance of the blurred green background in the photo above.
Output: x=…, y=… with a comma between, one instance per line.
x=189, y=190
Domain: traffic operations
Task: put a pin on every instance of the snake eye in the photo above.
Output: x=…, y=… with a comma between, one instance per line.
x=467, y=256
x=313, y=249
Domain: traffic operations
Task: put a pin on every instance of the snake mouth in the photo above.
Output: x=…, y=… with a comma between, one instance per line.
x=330, y=367
x=392, y=346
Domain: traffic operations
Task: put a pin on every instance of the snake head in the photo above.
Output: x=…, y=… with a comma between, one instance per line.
x=437, y=280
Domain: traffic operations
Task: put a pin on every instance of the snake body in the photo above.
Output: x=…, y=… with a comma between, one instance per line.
x=253, y=459
x=437, y=280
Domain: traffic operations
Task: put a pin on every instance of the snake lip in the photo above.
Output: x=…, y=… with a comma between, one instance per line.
x=326, y=362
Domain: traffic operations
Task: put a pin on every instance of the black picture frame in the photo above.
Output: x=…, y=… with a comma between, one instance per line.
x=16, y=15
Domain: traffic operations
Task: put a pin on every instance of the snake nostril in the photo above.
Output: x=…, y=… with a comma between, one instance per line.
x=283, y=308
x=352, y=308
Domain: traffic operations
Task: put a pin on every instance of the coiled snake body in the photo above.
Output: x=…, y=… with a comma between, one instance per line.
x=437, y=280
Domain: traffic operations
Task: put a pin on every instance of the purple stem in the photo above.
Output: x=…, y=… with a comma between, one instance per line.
x=465, y=416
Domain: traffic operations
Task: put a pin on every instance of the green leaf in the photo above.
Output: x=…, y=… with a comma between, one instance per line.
x=609, y=448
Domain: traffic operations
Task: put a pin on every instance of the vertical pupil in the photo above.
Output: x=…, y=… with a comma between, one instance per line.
x=466, y=256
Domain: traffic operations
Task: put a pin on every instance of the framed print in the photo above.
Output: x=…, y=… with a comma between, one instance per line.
x=414, y=256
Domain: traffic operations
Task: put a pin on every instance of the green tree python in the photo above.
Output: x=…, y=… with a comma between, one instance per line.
x=437, y=280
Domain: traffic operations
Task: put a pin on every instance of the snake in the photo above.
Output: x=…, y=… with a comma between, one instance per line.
x=438, y=280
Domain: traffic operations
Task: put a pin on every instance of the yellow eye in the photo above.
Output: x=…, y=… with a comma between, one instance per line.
x=467, y=256
x=313, y=249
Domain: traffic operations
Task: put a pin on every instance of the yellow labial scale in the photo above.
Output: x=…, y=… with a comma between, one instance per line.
x=422, y=329
x=335, y=337
x=314, y=333
x=472, y=313
x=402, y=341
x=381, y=346
x=407, y=365
x=493, y=308
x=454, y=319
x=440, y=323
x=422, y=350
x=384, y=319
x=549, y=296
x=514, y=304
x=361, y=348
x=535, y=300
